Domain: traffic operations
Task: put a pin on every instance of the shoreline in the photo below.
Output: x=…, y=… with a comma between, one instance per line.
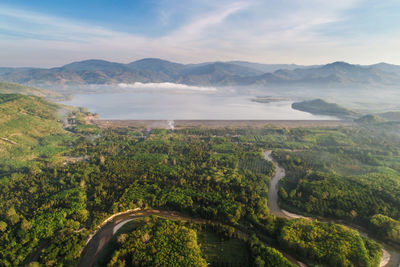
x=214, y=124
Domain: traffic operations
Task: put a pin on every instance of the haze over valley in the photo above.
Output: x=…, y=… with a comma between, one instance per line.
x=219, y=85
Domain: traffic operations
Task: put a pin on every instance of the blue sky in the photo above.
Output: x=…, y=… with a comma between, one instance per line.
x=52, y=33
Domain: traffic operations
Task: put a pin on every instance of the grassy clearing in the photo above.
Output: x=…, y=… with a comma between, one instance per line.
x=231, y=252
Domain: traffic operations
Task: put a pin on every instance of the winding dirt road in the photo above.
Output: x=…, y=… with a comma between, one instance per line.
x=390, y=257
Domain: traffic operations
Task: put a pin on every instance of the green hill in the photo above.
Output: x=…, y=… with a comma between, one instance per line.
x=321, y=107
x=29, y=130
x=14, y=88
x=370, y=118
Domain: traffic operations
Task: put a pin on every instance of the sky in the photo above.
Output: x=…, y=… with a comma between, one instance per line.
x=50, y=33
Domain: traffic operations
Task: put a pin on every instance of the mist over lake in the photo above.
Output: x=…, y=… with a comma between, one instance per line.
x=172, y=104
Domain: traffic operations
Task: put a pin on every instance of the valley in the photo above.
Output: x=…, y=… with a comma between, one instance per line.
x=199, y=133
x=189, y=172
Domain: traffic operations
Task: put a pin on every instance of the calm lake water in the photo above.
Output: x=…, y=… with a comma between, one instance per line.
x=186, y=106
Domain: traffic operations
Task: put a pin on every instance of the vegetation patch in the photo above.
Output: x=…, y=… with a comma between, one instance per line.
x=386, y=226
x=13, y=88
x=221, y=250
x=330, y=244
x=48, y=210
x=155, y=243
x=30, y=132
x=370, y=118
x=321, y=107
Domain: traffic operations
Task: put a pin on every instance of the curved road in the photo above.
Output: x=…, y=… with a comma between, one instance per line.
x=390, y=257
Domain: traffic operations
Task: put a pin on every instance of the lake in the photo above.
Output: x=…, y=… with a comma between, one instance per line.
x=177, y=105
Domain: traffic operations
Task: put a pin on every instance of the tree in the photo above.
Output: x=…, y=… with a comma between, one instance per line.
x=258, y=262
x=25, y=225
x=283, y=193
x=12, y=216
x=3, y=226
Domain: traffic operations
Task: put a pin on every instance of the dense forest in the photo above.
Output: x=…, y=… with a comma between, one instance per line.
x=346, y=173
x=331, y=244
x=152, y=241
x=156, y=242
x=51, y=202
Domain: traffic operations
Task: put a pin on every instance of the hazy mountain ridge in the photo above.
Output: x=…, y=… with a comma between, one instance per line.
x=213, y=73
x=269, y=67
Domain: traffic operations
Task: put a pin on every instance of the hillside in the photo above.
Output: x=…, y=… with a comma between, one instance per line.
x=204, y=74
x=163, y=68
x=13, y=88
x=339, y=72
x=29, y=130
x=387, y=67
x=217, y=73
x=370, y=118
x=268, y=67
x=321, y=107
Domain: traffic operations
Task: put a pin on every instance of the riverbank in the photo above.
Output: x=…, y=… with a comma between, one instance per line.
x=103, y=234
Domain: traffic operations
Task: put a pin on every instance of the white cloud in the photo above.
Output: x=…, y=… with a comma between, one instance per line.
x=166, y=86
x=44, y=26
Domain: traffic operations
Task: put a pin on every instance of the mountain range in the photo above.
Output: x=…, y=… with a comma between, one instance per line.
x=204, y=74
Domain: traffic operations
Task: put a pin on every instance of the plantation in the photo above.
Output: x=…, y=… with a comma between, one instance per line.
x=347, y=173
x=30, y=132
x=49, y=209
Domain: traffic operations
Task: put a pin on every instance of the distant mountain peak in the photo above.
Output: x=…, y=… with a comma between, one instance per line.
x=91, y=65
x=340, y=64
x=155, y=70
x=152, y=60
x=88, y=61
